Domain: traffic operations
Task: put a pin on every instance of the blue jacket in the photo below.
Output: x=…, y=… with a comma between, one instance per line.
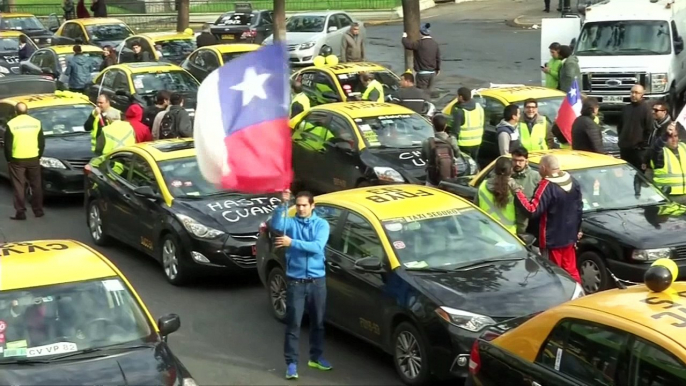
x=79, y=71
x=305, y=257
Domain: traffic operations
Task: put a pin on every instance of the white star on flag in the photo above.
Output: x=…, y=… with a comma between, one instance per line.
x=252, y=85
x=572, y=92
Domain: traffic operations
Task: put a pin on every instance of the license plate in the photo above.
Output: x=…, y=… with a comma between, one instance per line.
x=227, y=37
x=254, y=250
x=613, y=99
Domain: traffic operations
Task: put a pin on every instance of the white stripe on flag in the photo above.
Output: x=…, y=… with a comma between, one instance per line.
x=208, y=131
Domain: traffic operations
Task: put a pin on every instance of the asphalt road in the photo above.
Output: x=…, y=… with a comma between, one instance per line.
x=228, y=335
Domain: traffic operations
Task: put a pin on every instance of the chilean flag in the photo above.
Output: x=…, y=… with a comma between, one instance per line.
x=242, y=138
x=570, y=109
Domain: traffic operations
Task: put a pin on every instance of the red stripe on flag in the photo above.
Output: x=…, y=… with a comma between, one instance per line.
x=565, y=120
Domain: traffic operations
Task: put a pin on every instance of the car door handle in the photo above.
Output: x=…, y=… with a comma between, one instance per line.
x=126, y=196
x=333, y=266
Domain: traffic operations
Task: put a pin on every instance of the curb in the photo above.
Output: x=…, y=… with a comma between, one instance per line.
x=517, y=22
x=382, y=22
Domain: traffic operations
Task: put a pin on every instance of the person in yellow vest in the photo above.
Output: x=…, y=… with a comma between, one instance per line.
x=115, y=135
x=534, y=130
x=98, y=118
x=669, y=167
x=467, y=123
x=373, y=91
x=301, y=102
x=24, y=145
x=495, y=198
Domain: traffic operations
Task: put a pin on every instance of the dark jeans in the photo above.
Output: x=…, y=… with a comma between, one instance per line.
x=426, y=82
x=301, y=294
x=21, y=172
x=633, y=156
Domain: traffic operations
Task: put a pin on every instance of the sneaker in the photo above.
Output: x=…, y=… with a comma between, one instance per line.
x=292, y=371
x=321, y=364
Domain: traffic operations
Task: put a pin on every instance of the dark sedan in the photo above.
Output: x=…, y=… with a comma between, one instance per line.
x=29, y=25
x=243, y=25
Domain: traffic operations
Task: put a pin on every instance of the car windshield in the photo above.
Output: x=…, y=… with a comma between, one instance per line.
x=62, y=120
x=107, y=32
x=9, y=44
x=183, y=178
x=395, y=131
x=630, y=37
x=450, y=238
x=21, y=23
x=599, y=187
x=547, y=107
x=94, y=60
x=306, y=24
x=176, y=48
x=229, y=56
x=44, y=322
x=233, y=18
x=351, y=84
x=153, y=82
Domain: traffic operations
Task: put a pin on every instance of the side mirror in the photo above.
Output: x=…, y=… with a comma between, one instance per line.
x=341, y=144
x=168, y=324
x=666, y=190
x=679, y=45
x=528, y=239
x=369, y=265
x=332, y=29
x=458, y=188
x=146, y=191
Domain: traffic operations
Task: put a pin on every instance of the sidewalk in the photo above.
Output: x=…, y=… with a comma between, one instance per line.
x=532, y=19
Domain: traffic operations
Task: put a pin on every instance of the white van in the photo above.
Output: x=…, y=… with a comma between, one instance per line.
x=620, y=43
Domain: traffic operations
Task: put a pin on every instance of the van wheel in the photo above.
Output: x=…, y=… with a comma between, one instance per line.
x=593, y=272
x=410, y=355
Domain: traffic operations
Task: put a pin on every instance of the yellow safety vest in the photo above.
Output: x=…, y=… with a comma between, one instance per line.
x=673, y=173
x=25, y=130
x=596, y=120
x=506, y=216
x=303, y=100
x=374, y=85
x=472, y=130
x=536, y=139
x=118, y=134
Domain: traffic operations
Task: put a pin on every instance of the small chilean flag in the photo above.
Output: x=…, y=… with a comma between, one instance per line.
x=242, y=138
x=570, y=109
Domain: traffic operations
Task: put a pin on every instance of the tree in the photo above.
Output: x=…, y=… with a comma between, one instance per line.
x=182, y=14
x=411, y=24
x=279, y=20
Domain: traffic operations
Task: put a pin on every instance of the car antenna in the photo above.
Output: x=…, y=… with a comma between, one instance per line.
x=620, y=283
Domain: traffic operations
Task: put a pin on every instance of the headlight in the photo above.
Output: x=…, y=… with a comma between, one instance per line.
x=651, y=254
x=463, y=319
x=388, y=174
x=4, y=70
x=305, y=46
x=658, y=82
x=51, y=163
x=197, y=229
x=578, y=292
x=189, y=382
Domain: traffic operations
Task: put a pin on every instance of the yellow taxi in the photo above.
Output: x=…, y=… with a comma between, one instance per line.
x=152, y=197
x=98, y=31
x=28, y=24
x=361, y=144
x=206, y=59
x=419, y=273
x=627, y=221
x=53, y=61
x=63, y=302
x=171, y=47
x=67, y=145
x=628, y=336
x=140, y=82
x=341, y=82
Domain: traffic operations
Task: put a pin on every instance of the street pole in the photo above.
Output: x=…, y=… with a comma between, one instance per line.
x=279, y=20
x=411, y=24
x=182, y=14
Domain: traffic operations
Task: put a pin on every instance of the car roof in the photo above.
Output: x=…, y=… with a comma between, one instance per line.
x=345, y=68
x=320, y=13
x=155, y=36
x=364, y=109
x=144, y=67
x=69, y=49
x=433, y=201
x=48, y=262
x=520, y=93
x=11, y=33
x=97, y=20
x=229, y=48
x=576, y=159
x=58, y=98
x=167, y=149
x=15, y=14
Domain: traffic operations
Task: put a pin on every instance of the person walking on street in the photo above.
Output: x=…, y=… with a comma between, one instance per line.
x=557, y=204
x=206, y=38
x=134, y=116
x=569, y=69
x=24, y=145
x=552, y=68
x=304, y=236
x=507, y=130
x=99, y=8
x=373, y=89
x=527, y=179
x=410, y=95
x=427, y=58
x=79, y=71
x=151, y=112
x=115, y=135
x=352, y=45
x=69, y=9
x=467, y=123
x=669, y=165
x=535, y=132
x=301, y=102
x=495, y=198
x=175, y=123
x=634, y=128
x=439, y=153
x=586, y=133
x=99, y=118
x=25, y=49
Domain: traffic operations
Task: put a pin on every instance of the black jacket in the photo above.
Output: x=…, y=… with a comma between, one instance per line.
x=427, y=55
x=635, y=125
x=99, y=8
x=9, y=143
x=205, y=39
x=25, y=52
x=413, y=98
x=149, y=115
x=143, y=56
x=586, y=135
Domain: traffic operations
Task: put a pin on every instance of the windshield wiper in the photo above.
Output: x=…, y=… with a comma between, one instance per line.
x=102, y=351
x=26, y=361
x=428, y=269
x=486, y=263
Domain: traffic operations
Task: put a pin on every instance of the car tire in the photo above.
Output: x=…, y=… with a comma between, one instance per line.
x=171, y=257
x=95, y=223
x=276, y=290
x=593, y=272
x=410, y=355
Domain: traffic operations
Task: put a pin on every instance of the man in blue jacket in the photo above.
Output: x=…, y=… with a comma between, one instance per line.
x=305, y=235
x=78, y=70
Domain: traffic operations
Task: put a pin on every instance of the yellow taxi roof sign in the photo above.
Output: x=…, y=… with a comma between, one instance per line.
x=366, y=109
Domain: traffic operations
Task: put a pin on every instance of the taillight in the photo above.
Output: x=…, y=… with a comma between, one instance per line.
x=474, y=359
x=250, y=33
x=263, y=228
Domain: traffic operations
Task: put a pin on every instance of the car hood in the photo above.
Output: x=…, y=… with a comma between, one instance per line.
x=70, y=146
x=299, y=37
x=232, y=213
x=150, y=366
x=503, y=290
x=10, y=56
x=623, y=63
x=407, y=162
x=654, y=226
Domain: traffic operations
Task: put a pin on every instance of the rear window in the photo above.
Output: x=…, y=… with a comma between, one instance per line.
x=233, y=18
x=107, y=32
x=229, y=56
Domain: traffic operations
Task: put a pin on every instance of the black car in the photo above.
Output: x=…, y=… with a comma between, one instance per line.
x=153, y=197
x=243, y=25
x=29, y=25
x=53, y=60
x=62, y=115
x=419, y=273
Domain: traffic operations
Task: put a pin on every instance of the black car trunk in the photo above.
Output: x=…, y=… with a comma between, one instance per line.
x=230, y=33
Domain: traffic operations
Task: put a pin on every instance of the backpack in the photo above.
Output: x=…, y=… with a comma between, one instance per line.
x=441, y=161
x=168, y=126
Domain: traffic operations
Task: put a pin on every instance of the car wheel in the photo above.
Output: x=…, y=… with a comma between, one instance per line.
x=174, y=270
x=410, y=355
x=95, y=224
x=276, y=285
x=593, y=272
